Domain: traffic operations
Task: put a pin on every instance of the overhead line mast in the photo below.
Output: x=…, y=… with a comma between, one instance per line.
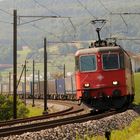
x=15, y=64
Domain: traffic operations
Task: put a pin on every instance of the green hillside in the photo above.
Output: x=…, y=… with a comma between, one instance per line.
x=78, y=27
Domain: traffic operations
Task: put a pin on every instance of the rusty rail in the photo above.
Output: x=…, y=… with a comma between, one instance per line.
x=51, y=124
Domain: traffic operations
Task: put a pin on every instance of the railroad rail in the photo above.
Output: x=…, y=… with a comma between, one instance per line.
x=72, y=108
x=73, y=114
x=37, y=126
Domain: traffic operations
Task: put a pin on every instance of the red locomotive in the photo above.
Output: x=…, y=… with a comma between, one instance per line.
x=104, y=77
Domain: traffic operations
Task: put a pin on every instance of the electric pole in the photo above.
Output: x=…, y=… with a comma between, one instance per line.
x=33, y=83
x=64, y=74
x=45, y=77
x=9, y=82
x=25, y=83
x=15, y=64
x=39, y=83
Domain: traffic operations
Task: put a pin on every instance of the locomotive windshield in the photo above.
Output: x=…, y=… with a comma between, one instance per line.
x=110, y=61
x=88, y=63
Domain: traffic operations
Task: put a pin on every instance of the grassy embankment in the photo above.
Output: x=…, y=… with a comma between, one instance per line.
x=34, y=111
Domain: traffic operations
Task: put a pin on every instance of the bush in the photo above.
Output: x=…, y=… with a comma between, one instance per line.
x=6, y=108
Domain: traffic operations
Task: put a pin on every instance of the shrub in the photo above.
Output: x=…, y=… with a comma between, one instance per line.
x=6, y=108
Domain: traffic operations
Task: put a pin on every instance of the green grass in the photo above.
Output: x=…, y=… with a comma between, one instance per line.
x=34, y=111
x=137, y=88
x=131, y=132
x=135, y=137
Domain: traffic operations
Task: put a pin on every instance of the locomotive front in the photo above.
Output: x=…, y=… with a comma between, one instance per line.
x=101, y=77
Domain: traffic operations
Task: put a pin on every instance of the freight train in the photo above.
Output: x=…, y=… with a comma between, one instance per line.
x=104, y=77
x=62, y=88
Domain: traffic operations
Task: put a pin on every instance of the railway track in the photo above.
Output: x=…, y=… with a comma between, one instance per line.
x=72, y=108
x=37, y=126
x=17, y=124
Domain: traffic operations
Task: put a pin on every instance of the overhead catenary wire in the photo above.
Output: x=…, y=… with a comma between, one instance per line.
x=66, y=29
x=7, y=22
x=43, y=6
x=125, y=13
x=72, y=24
x=30, y=21
x=39, y=18
x=54, y=13
x=42, y=30
x=88, y=11
x=6, y=12
x=59, y=16
x=124, y=22
x=37, y=27
x=104, y=6
x=110, y=12
x=24, y=41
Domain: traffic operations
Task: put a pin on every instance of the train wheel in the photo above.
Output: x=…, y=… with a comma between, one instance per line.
x=119, y=102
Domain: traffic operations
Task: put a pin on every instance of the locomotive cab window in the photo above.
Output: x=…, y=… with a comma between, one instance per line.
x=88, y=63
x=110, y=61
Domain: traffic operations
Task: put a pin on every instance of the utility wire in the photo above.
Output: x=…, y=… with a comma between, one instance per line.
x=55, y=14
x=24, y=40
x=66, y=29
x=2, y=21
x=4, y=11
x=104, y=6
x=40, y=29
x=72, y=24
x=31, y=21
x=126, y=13
x=88, y=11
x=43, y=6
x=39, y=18
x=124, y=22
x=37, y=27
x=111, y=13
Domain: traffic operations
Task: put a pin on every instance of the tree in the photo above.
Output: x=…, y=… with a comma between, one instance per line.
x=6, y=108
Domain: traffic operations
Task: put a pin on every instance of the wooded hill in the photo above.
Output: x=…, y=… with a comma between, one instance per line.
x=78, y=27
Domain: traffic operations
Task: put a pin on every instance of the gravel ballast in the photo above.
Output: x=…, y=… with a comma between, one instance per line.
x=70, y=131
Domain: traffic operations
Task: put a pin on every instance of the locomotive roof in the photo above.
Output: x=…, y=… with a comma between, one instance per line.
x=98, y=49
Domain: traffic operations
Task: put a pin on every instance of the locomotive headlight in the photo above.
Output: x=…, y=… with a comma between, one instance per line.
x=115, y=83
x=86, y=85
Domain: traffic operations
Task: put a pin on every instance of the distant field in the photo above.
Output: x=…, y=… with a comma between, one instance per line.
x=22, y=55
